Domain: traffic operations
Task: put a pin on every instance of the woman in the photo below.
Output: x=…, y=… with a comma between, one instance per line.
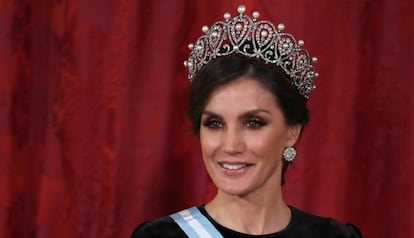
x=247, y=103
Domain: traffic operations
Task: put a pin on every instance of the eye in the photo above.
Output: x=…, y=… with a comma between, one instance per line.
x=255, y=123
x=213, y=123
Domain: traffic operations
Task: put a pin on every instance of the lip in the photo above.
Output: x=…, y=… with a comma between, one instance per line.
x=235, y=168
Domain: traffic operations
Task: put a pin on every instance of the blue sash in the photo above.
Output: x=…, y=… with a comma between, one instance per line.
x=195, y=224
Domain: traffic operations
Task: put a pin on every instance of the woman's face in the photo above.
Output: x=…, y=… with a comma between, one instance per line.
x=243, y=135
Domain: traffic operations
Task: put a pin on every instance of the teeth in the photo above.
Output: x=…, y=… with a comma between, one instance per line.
x=234, y=167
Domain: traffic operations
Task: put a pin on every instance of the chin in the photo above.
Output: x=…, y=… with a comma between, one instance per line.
x=234, y=189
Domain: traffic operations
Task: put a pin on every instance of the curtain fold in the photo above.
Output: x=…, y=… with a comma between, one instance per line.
x=94, y=137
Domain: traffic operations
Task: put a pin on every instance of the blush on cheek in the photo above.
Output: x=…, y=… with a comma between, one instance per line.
x=209, y=140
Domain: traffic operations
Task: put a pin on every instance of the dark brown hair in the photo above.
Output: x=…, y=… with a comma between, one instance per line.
x=223, y=70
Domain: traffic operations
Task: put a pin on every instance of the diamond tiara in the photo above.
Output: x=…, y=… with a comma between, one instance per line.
x=256, y=39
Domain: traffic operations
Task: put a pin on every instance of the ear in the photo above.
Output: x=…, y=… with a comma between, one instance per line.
x=293, y=134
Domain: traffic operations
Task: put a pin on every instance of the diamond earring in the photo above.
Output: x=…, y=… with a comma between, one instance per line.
x=289, y=154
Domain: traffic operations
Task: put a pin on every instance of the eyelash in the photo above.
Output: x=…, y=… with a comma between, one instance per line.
x=213, y=123
x=255, y=123
x=252, y=123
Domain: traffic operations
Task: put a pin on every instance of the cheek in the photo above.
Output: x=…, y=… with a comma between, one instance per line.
x=209, y=142
x=268, y=144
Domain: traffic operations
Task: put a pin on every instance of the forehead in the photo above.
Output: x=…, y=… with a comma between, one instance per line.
x=241, y=94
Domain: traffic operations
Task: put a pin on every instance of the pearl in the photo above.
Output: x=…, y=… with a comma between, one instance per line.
x=316, y=74
x=256, y=14
x=239, y=26
x=185, y=63
x=241, y=9
x=227, y=16
x=301, y=42
x=189, y=64
x=204, y=29
x=280, y=27
x=214, y=34
x=235, y=47
x=314, y=59
x=190, y=46
x=263, y=33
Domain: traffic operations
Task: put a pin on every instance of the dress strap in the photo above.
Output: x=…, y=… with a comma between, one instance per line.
x=195, y=224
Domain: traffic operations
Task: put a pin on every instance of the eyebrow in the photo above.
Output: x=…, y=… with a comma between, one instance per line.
x=244, y=115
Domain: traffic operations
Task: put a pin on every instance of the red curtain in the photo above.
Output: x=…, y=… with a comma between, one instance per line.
x=93, y=133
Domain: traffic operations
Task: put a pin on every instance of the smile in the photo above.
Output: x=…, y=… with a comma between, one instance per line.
x=233, y=166
x=234, y=169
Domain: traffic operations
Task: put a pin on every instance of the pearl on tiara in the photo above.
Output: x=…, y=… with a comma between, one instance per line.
x=241, y=9
x=256, y=39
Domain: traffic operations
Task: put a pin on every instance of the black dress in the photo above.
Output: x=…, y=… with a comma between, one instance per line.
x=301, y=225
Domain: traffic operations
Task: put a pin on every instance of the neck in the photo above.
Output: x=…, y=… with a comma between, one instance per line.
x=255, y=214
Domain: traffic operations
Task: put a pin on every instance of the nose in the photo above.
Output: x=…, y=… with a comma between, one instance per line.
x=233, y=141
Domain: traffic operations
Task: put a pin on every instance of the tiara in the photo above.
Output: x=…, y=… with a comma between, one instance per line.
x=255, y=39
